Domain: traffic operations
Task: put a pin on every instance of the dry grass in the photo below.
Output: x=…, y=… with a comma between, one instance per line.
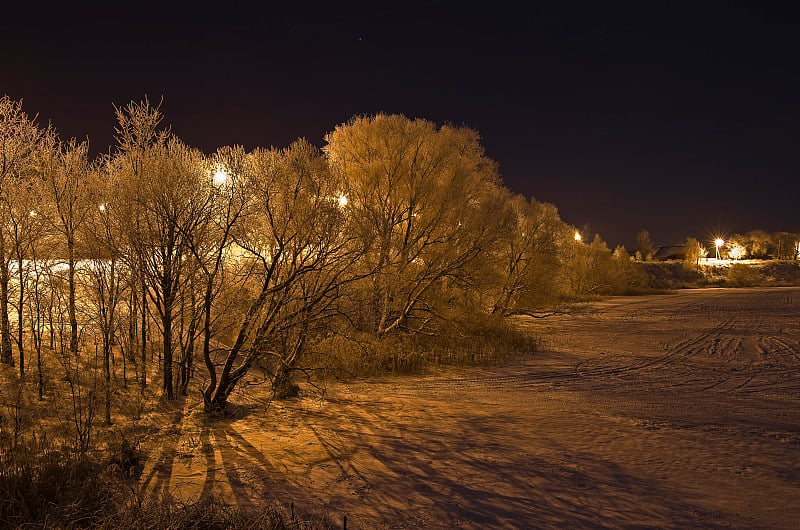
x=47, y=486
x=486, y=340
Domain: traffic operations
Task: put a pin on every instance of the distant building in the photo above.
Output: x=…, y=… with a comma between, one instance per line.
x=670, y=252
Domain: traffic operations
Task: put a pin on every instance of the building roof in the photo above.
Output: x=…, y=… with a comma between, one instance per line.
x=670, y=252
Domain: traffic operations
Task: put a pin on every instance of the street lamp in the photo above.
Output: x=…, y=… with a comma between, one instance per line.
x=342, y=201
x=718, y=243
x=577, y=236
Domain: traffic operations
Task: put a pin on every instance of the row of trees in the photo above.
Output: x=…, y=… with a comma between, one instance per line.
x=758, y=244
x=755, y=244
x=239, y=261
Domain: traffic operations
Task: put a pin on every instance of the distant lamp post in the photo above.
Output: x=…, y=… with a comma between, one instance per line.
x=220, y=178
x=578, y=236
x=718, y=243
x=342, y=200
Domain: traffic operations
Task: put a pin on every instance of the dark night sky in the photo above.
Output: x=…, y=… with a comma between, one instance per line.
x=681, y=118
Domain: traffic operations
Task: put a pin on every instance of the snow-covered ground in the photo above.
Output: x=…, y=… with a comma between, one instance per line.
x=677, y=411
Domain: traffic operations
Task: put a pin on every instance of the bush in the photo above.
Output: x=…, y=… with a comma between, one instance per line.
x=125, y=457
x=40, y=482
x=661, y=275
x=485, y=340
x=740, y=275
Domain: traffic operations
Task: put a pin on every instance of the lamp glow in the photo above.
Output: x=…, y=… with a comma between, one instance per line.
x=342, y=201
x=718, y=243
x=220, y=178
x=102, y=207
x=577, y=236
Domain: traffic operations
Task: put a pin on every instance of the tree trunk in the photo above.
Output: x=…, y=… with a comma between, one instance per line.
x=283, y=386
x=188, y=355
x=166, y=323
x=208, y=392
x=40, y=382
x=144, y=333
x=73, y=319
x=51, y=321
x=107, y=373
x=5, y=329
x=219, y=401
x=20, y=329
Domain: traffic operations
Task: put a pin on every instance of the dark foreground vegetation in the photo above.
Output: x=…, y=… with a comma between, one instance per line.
x=132, y=279
x=43, y=485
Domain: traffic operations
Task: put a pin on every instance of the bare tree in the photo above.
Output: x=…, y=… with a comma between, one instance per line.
x=229, y=200
x=103, y=277
x=65, y=173
x=19, y=139
x=41, y=300
x=138, y=130
x=172, y=202
x=297, y=255
x=25, y=226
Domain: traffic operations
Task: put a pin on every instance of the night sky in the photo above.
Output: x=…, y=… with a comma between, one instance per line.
x=677, y=117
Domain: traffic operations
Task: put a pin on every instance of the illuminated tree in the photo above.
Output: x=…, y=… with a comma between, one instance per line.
x=138, y=130
x=590, y=269
x=693, y=251
x=736, y=251
x=295, y=243
x=103, y=279
x=25, y=226
x=785, y=246
x=425, y=198
x=65, y=171
x=41, y=297
x=171, y=199
x=19, y=140
x=231, y=199
x=528, y=257
x=644, y=246
x=627, y=275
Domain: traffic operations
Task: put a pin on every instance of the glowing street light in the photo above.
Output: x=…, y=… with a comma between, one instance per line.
x=102, y=207
x=342, y=201
x=577, y=236
x=220, y=178
x=718, y=243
